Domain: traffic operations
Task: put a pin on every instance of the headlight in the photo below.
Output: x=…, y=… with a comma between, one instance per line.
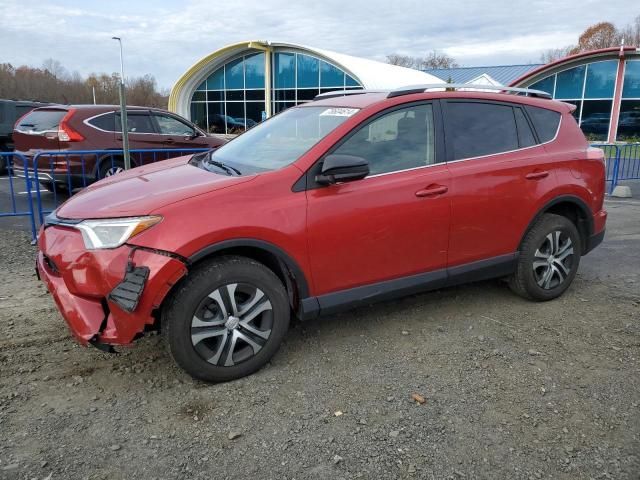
x=113, y=232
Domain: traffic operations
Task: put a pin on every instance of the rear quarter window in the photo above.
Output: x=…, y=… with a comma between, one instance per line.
x=544, y=121
x=41, y=121
x=106, y=122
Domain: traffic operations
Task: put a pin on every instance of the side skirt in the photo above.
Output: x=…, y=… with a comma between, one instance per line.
x=335, y=302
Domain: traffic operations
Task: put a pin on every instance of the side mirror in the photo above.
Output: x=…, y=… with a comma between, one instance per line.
x=342, y=168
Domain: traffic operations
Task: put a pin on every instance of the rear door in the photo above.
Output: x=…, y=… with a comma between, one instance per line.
x=497, y=178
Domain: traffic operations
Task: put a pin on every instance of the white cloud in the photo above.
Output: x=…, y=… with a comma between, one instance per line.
x=164, y=38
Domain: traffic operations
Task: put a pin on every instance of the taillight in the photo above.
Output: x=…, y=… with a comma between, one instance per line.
x=65, y=132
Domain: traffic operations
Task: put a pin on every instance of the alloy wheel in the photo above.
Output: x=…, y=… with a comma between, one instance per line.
x=553, y=260
x=113, y=170
x=231, y=324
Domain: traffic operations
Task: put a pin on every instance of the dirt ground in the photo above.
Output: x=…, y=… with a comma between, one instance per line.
x=513, y=389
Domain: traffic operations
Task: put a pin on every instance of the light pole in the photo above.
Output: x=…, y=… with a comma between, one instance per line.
x=123, y=112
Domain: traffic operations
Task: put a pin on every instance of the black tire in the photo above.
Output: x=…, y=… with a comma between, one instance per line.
x=550, y=275
x=109, y=167
x=59, y=187
x=187, y=309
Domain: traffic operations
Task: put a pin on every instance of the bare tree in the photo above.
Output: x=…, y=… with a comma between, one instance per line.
x=554, y=54
x=437, y=60
x=54, y=67
x=432, y=60
x=53, y=83
x=631, y=33
x=402, y=60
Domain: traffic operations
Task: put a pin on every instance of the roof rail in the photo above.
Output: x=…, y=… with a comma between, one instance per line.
x=466, y=86
x=342, y=93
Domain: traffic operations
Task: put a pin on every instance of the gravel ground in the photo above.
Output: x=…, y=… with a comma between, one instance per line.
x=511, y=389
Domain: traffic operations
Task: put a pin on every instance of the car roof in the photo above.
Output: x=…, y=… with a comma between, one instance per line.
x=369, y=99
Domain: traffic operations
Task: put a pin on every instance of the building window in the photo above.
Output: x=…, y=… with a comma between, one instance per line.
x=546, y=85
x=629, y=120
x=601, y=79
x=298, y=78
x=232, y=98
x=631, y=87
x=590, y=88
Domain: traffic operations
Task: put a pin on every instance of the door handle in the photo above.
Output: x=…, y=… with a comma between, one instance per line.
x=432, y=191
x=170, y=140
x=536, y=175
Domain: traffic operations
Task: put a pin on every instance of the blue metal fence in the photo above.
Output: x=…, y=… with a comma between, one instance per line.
x=60, y=174
x=622, y=162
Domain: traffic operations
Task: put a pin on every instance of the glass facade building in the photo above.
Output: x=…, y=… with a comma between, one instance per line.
x=603, y=85
x=234, y=96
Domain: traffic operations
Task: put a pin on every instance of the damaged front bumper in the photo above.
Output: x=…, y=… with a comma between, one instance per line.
x=107, y=297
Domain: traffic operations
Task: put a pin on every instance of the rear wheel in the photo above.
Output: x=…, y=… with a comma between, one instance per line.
x=227, y=319
x=549, y=259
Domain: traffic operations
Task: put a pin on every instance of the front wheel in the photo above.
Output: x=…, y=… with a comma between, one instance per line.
x=549, y=259
x=110, y=167
x=227, y=319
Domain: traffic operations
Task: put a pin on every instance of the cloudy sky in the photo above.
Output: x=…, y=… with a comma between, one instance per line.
x=164, y=38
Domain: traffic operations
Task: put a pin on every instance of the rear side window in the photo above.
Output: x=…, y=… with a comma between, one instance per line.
x=104, y=122
x=41, y=121
x=524, y=130
x=544, y=121
x=476, y=129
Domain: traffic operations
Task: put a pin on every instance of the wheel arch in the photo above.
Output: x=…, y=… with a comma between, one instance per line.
x=571, y=207
x=270, y=255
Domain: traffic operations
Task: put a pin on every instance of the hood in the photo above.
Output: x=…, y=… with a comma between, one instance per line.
x=142, y=190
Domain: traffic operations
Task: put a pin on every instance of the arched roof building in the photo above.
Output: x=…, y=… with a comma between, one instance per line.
x=603, y=84
x=240, y=84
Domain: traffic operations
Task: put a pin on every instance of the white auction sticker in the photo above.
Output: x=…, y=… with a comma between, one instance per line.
x=338, y=112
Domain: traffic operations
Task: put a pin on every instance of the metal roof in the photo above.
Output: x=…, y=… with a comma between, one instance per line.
x=503, y=74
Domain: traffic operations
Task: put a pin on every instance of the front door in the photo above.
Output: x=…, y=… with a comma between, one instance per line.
x=395, y=222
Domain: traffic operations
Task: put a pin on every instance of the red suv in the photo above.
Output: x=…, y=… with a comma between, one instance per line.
x=70, y=129
x=336, y=203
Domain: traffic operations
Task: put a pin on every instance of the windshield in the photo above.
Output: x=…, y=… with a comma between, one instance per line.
x=281, y=140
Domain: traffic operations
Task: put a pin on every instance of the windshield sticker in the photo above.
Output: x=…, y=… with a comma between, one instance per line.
x=338, y=112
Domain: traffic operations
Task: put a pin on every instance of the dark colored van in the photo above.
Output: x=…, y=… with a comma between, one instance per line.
x=10, y=112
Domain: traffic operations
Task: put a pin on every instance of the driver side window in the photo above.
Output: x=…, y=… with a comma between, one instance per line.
x=396, y=141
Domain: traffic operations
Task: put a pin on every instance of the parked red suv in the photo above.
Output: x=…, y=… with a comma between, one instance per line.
x=332, y=204
x=69, y=129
